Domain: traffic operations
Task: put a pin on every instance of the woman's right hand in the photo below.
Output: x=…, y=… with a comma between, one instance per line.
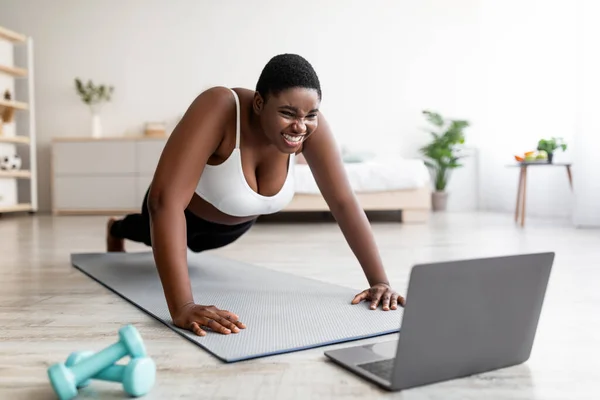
x=194, y=317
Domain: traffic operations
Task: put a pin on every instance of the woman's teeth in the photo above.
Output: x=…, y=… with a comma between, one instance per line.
x=294, y=139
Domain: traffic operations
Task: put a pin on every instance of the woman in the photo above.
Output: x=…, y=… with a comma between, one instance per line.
x=230, y=160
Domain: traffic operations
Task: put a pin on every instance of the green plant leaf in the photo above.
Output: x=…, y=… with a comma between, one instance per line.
x=91, y=93
x=433, y=117
x=443, y=151
x=551, y=145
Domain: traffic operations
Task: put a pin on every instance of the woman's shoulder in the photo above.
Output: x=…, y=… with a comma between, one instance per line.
x=221, y=99
x=217, y=102
x=226, y=92
x=216, y=93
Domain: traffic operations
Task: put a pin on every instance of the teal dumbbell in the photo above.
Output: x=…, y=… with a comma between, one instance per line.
x=65, y=379
x=137, y=376
x=75, y=358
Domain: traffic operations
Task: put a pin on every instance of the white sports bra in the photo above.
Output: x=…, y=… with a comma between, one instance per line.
x=225, y=187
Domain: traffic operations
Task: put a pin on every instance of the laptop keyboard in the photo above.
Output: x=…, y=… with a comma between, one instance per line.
x=382, y=368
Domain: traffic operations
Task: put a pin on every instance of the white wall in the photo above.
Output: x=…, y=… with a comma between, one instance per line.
x=587, y=144
x=509, y=67
x=380, y=62
x=530, y=93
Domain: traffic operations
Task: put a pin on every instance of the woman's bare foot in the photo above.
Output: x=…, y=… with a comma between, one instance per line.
x=113, y=244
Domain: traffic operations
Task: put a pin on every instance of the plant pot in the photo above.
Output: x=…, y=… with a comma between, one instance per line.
x=550, y=156
x=439, y=201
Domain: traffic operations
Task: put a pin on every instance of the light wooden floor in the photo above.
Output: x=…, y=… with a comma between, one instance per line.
x=48, y=309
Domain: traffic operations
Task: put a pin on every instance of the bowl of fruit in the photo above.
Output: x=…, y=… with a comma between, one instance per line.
x=529, y=157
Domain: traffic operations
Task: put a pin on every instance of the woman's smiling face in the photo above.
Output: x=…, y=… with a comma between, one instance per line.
x=289, y=117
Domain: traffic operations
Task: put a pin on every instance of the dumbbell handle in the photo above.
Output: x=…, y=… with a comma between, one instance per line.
x=93, y=365
x=137, y=377
x=114, y=373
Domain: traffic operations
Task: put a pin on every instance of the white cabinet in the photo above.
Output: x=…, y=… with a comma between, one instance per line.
x=148, y=154
x=94, y=158
x=99, y=193
x=102, y=176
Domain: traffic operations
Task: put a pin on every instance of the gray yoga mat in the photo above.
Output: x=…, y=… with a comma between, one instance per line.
x=282, y=312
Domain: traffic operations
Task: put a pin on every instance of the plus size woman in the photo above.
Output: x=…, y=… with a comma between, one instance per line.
x=231, y=159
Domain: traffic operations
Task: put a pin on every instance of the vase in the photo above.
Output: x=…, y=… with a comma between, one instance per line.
x=550, y=156
x=439, y=200
x=96, y=123
x=96, y=126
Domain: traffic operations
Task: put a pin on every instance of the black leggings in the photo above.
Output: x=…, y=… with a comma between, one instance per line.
x=201, y=234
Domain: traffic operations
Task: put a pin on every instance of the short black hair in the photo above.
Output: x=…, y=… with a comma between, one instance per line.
x=285, y=71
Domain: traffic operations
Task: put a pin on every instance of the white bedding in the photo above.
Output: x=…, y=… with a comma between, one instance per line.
x=371, y=176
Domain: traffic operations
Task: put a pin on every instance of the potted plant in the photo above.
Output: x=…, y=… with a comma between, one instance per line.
x=94, y=96
x=550, y=146
x=443, y=154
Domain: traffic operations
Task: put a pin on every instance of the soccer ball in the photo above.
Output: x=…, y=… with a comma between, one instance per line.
x=8, y=163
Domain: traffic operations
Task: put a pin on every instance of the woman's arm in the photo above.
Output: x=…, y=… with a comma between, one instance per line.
x=325, y=162
x=179, y=168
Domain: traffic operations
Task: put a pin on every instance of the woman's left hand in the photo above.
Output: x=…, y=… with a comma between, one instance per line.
x=380, y=293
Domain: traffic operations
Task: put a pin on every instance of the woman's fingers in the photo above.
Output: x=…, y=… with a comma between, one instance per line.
x=394, y=302
x=215, y=326
x=375, y=296
x=240, y=324
x=227, y=324
x=231, y=317
x=402, y=301
x=375, y=302
x=197, y=330
x=385, y=300
x=199, y=319
x=218, y=323
x=360, y=297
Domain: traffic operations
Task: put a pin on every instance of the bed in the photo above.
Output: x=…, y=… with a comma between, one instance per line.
x=379, y=184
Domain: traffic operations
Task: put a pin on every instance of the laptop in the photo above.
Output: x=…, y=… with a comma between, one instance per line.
x=461, y=318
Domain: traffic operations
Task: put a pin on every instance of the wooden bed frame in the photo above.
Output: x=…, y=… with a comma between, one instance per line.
x=88, y=157
x=414, y=204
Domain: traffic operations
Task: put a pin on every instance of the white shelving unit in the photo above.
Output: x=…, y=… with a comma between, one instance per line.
x=17, y=132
